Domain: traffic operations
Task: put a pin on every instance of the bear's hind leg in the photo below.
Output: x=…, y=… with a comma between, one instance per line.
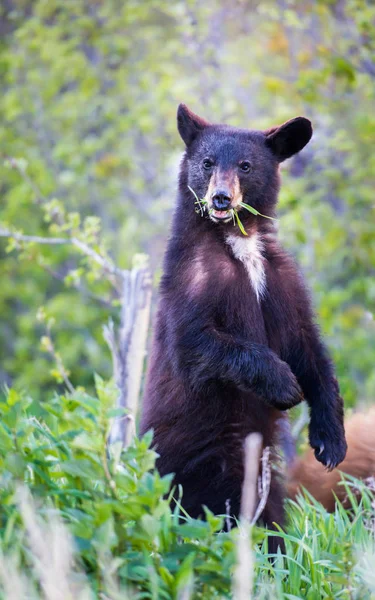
x=206, y=486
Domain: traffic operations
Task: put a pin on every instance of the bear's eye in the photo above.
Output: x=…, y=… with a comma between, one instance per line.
x=207, y=163
x=245, y=166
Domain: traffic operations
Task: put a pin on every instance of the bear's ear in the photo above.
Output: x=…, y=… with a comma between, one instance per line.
x=189, y=124
x=289, y=138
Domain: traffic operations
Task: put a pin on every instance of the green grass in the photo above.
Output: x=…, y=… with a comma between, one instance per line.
x=99, y=524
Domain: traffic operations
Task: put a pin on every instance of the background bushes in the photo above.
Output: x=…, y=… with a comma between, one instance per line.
x=88, y=99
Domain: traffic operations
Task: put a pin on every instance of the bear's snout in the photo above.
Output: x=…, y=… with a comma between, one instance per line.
x=221, y=200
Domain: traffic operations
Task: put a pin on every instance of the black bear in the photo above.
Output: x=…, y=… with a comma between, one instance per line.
x=234, y=340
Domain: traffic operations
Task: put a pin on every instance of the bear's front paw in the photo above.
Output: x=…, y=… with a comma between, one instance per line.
x=281, y=387
x=289, y=395
x=329, y=444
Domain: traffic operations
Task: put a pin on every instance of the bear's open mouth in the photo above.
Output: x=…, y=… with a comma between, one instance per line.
x=221, y=215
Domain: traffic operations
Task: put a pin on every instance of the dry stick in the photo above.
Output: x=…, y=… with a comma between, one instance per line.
x=264, y=484
x=253, y=446
x=244, y=572
x=228, y=523
x=137, y=350
x=128, y=348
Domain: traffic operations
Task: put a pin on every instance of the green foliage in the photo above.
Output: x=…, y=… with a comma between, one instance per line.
x=111, y=502
x=123, y=534
x=89, y=94
x=89, y=152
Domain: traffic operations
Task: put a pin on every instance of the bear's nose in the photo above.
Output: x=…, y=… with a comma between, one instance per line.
x=221, y=200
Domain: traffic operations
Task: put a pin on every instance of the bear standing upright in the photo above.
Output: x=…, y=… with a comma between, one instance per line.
x=234, y=339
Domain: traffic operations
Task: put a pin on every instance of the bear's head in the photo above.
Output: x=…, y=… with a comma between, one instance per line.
x=229, y=167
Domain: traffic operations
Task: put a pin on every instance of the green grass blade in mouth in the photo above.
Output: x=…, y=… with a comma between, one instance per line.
x=194, y=194
x=255, y=212
x=239, y=223
x=198, y=201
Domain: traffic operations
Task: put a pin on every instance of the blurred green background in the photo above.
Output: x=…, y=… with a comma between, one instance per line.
x=89, y=91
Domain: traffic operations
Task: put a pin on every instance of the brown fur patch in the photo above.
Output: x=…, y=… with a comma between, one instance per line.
x=359, y=462
x=197, y=275
x=237, y=194
x=204, y=270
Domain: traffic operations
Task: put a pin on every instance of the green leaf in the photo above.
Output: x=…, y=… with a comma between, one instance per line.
x=255, y=212
x=242, y=229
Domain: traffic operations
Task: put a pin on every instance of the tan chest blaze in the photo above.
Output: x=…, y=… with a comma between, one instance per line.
x=249, y=250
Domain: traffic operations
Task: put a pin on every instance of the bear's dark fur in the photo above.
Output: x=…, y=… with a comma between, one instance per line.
x=235, y=341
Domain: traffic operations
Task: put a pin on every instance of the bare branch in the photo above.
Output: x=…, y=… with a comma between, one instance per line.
x=249, y=514
x=106, y=264
x=253, y=446
x=103, y=262
x=128, y=348
x=20, y=237
x=228, y=523
x=264, y=484
x=244, y=571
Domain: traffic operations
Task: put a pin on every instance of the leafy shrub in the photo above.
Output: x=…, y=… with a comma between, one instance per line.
x=113, y=504
x=80, y=521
